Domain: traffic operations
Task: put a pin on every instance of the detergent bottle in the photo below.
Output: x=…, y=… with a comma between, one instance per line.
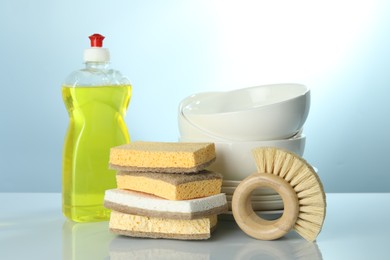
x=96, y=98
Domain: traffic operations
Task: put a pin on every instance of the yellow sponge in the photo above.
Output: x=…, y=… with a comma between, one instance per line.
x=142, y=226
x=162, y=157
x=172, y=186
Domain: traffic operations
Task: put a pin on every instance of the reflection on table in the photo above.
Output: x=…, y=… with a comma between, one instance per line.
x=94, y=241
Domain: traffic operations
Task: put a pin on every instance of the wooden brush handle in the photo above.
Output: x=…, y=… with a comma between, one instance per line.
x=254, y=225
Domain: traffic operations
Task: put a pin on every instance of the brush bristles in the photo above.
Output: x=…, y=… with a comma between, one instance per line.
x=305, y=182
x=307, y=230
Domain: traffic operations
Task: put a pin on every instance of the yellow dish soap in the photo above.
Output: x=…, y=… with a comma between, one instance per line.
x=96, y=99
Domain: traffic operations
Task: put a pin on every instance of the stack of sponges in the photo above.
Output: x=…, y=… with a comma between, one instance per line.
x=164, y=191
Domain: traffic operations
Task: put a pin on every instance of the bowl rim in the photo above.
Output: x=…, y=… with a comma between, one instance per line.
x=186, y=112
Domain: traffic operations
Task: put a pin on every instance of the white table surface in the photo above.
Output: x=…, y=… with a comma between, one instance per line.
x=357, y=226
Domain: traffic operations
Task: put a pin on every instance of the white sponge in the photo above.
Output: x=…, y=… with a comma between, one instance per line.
x=143, y=204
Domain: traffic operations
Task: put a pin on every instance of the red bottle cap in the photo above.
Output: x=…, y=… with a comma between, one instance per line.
x=96, y=40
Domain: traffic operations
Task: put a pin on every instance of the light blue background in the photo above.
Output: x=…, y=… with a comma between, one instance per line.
x=171, y=49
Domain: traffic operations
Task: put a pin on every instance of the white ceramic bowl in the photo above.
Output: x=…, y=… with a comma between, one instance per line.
x=189, y=130
x=266, y=112
x=234, y=159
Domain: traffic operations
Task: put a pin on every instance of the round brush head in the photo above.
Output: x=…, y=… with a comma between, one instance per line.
x=302, y=177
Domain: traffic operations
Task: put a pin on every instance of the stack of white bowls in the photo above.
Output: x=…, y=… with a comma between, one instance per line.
x=239, y=121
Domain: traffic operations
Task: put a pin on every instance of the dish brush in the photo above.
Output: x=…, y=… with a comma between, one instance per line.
x=299, y=186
